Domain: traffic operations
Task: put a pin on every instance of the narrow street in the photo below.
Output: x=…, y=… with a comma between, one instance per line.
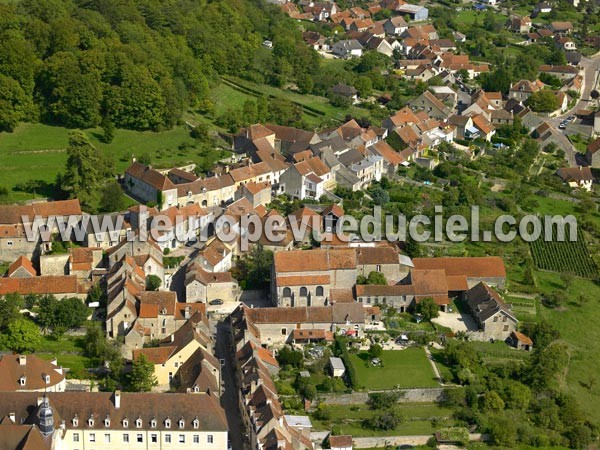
x=230, y=393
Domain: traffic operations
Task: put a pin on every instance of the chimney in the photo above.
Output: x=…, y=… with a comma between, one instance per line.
x=188, y=311
x=12, y=416
x=22, y=360
x=117, y=399
x=172, y=338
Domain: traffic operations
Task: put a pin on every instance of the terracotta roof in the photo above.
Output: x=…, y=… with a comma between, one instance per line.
x=156, y=355
x=21, y=262
x=334, y=209
x=298, y=314
x=154, y=302
x=304, y=280
x=428, y=282
x=197, y=273
x=150, y=176
x=99, y=405
x=41, y=285
x=256, y=131
x=34, y=370
x=11, y=214
x=341, y=296
x=320, y=334
x=482, y=124
x=316, y=260
x=377, y=255
x=386, y=151
x=476, y=267
x=594, y=146
x=522, y=338
x=340, y=441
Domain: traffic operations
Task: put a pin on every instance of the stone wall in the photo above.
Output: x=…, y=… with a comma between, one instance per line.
x=425, y=395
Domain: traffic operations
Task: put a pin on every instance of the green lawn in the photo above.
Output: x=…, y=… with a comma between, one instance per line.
x=38, y=152
x=69, y=352
x=404, y=368
x=419, y=416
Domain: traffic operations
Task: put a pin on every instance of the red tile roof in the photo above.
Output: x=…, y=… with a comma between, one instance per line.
x=476, y=267
x=21, y=262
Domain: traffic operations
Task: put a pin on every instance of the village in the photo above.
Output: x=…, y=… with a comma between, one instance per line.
x=311, y=341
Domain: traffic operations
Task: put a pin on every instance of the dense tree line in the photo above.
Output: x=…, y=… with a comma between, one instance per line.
x=136, y=64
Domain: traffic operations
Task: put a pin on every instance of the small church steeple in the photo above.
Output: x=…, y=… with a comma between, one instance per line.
x=45, y=417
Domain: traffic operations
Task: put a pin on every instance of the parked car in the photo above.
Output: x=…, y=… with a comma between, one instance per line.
x=191, y=243
x=215, y=302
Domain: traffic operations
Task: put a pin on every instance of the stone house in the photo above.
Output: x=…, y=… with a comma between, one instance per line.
x=493, y=316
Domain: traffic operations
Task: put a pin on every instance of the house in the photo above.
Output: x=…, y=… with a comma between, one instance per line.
x=416, y=13
x=520, y=341
x=577, y=177
x=489, y=269
x=464, y=128
x=175, y=351
x=103, y=420
x=380, y=45
x=383, y=259
x=29, y=373
x=422, y=73
x=561, y=27
x=391, y=158
x=395, y=25
x=304, y=277
x=593, y=153
x=343, y=442
x=445, y=94
x=517, y=24
x=485, y=128
x=216, y=257
x=522, y=90
x=203, y=286
x=548, y=135
x=337, y=367
x=330, y=216
x=344, y=90
x=307, y=178
x=542, y=8
x=565, y=43
x=347, y=48
x=493, y=316
x=61, y=286
x=399, y=296
x=431, y=105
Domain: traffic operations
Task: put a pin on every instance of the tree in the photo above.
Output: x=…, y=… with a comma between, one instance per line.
x=379, y=195
x=83, y=169
x=287, y=356
x=112, y=198
x=493, y=402
x=428, y=309
x=376, y=278
x=375, y=351
x=383, y=400
x=61, y=315
x=15, y=104
x=387, y=419
x=543, y=100
x=153, y=282
x=10, y=305
x=142, y=378
x=21, y=336
x=254, y=270
x=108, y=129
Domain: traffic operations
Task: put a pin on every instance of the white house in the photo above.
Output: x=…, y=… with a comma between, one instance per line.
x=337, y=367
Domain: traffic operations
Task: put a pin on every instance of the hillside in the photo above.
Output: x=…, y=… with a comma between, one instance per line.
x=136, y=64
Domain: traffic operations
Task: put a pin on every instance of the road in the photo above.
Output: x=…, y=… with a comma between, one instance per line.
x=230, y=394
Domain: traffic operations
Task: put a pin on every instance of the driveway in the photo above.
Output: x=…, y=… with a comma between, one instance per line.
x=456, y=321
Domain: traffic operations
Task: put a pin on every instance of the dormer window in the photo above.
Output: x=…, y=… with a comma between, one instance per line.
x=125, y=423
x=91, y=422
x=75, y=421
x=181, y=423
x=153, y=423
x=23, y=380
x=138, y=423
x=196, y=388
x=167, y=423
x=107, y=422
x=196, y=423
x=47, y=379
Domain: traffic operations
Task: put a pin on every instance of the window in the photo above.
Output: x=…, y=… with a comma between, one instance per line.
x=319, y=292
x=182, y=438
x=138, y=423
x=107, y=437
x=168, y=438
x=504, y=319
x=153, y=423
x=154, y=438
x=75, y=421
x=168, y=422
x=107, y=422
x=75, y=437
x=181, y=423
x=496, y=319
x=378, y=268
x=126, y=438
x=125, y=423
x=92, y=437
x=196, y=422
x=287, y=292
x=22, y=381
x=140, y=438
x=91, y=422
x=505, y=327
x=284, y=331
x=209, y=438
x=303, y=291
x=9, y=243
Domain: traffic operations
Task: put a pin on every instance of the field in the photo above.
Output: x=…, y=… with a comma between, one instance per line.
x=38, y=152
x=408, y=368
x=564, y=256
x=419, y=418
